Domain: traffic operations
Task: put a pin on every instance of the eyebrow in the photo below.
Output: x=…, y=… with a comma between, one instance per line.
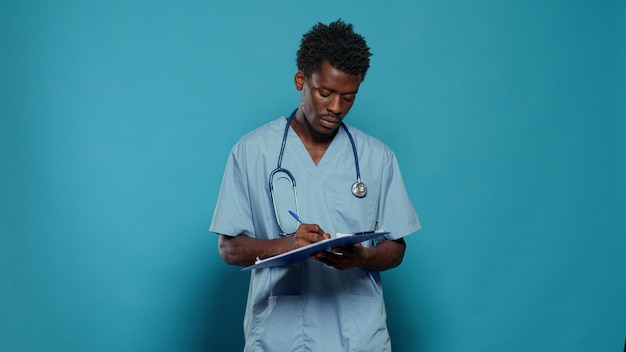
x=334, y=91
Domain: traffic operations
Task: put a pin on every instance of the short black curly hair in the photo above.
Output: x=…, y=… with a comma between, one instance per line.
x=336, y=43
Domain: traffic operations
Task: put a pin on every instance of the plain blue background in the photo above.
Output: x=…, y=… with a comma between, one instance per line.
x=116, y=118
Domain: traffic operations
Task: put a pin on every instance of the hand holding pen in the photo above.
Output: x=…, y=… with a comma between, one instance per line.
x=340, y=258
x=308, y=233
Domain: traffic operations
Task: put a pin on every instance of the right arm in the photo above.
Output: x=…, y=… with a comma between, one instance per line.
x=243, y=250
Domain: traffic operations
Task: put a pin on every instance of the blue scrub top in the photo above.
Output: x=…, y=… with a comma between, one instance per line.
x=309, y=306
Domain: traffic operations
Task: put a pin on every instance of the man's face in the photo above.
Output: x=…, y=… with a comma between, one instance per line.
x=327, y=96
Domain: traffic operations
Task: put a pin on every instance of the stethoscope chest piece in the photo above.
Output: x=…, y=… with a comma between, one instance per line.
x=359, y=189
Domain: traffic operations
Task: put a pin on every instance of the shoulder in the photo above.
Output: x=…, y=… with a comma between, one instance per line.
x=266, y=135
x=269, y=129
x=369, y=143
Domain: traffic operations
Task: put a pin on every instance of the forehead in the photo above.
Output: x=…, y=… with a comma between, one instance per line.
x=329, y=77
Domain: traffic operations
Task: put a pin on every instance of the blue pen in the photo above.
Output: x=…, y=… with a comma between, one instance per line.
x=295, y=216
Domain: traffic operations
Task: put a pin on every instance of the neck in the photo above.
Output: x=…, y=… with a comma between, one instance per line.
x=315, y=143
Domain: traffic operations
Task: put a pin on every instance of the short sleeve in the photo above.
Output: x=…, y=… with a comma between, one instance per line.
x=396, y=212
x=232, y=215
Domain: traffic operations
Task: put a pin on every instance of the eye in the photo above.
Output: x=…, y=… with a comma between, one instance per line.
x=349, y=98
x=325, y=93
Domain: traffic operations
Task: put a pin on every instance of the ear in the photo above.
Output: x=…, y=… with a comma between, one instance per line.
x=299, y=80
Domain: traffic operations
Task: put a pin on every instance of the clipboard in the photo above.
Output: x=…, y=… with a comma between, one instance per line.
x=303, y=253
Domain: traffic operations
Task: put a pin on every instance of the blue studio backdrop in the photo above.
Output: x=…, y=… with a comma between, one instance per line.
x=116, y=118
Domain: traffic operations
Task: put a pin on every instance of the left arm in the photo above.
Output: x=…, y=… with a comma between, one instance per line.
x=386, y=255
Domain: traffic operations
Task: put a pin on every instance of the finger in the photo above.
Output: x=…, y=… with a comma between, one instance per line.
x=319, y=232
x=310, y=233
x=350, y=251
x=337, y=261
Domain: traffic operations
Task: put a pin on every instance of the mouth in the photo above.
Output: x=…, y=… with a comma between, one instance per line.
x=330, y=122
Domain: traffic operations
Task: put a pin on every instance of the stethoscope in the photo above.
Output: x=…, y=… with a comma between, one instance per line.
x=359, y=189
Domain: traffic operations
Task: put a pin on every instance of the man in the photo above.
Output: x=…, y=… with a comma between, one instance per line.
x=332, y=302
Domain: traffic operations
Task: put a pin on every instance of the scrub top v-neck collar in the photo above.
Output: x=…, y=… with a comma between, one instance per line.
x=301, y=153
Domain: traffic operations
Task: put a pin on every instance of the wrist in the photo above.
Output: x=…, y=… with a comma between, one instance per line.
x=291, y=243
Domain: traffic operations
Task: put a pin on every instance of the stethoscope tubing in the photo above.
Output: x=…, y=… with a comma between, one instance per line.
x=282, y=152
x=280, y=157
x=359, y=189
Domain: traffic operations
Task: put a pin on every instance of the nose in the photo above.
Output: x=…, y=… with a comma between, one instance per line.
x=335, y=105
